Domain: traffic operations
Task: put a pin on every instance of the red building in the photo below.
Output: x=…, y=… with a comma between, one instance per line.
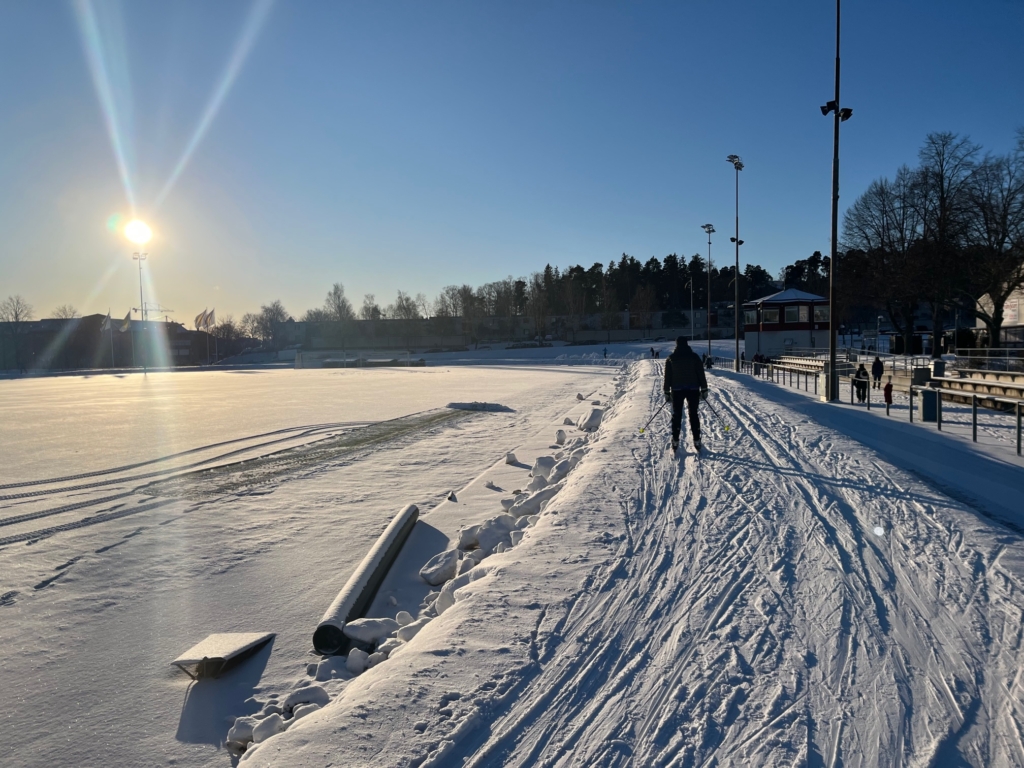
x=784, y=321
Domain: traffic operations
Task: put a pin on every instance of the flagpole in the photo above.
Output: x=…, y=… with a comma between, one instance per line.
x=110, y=330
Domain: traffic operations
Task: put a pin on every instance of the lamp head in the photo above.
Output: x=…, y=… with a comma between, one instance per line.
x=734, y=240
x=736, y=162
x=708, y=228
x=829, y=106
x=845, y=114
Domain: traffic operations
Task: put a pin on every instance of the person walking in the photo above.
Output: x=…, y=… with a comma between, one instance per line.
x=861, y=382
x=685, y=383
x=877, y=369
x=887, y=393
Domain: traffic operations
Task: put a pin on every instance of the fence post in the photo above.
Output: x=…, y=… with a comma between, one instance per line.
x=911, y=403
x=938, y=411
x=974, y=418
x=1020, y=408
x=869, y=398
x=816, y=377
x=851, y=391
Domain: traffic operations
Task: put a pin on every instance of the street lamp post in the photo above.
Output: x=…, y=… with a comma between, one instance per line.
x=691, y=307
x=139, y=233
x=141, y=257
x=738, y=165
x=839, y=115
x=709, y=229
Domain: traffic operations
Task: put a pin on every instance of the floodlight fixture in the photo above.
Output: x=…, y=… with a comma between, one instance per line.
x=845, y=114
x=737, y=163
x=707, y=228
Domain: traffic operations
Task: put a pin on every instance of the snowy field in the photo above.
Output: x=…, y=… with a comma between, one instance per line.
x=825, y=586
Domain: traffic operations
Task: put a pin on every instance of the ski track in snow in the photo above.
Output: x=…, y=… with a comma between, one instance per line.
x=753, y=617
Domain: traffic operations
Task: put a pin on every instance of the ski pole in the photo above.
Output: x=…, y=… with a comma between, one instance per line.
x=720, y=420
x=645, y=426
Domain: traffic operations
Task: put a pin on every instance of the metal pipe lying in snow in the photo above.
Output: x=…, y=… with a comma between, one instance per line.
x=357, y=594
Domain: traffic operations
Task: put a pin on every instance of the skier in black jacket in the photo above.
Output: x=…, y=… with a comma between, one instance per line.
x=685, y=383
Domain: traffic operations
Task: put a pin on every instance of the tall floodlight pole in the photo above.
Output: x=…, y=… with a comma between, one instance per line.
x=738, y=165
x=140, y=234
x=709, y=229
x=840, y=115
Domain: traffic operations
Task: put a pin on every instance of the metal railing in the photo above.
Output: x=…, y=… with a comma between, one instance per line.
x=1018, y=407
x=986, y=359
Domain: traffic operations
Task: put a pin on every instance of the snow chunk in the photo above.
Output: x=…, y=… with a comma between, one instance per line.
x=542, y=466
x=241, y=731
x=560, y=437
x=536, y=484
x=270, y=726
x=580, y=397
x=389, y=645
x=304, y=709
x=468, y=536
x=403, y=618
x=591, y=419
x=532, y=504
x=376, y=658
x=409, y=631
x=517, y=536
x=506, y=504
x=595, y=402
x=356, y=662
x=441, y=567
x=510, y=458
x=369, y=630
x=559, y=471
x=568, y=422
x=310, y=694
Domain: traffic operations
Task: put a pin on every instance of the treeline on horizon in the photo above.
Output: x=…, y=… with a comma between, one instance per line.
x=943, y=235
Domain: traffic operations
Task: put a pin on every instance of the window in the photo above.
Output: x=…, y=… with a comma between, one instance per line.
x=750, y=316
x=821, y=314
x=769, y=315
x=792, y=314
x=805, y=314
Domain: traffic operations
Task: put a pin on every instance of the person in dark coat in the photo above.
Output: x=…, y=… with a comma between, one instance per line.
x=685, y=382
x=877, y=369
x=861, y=382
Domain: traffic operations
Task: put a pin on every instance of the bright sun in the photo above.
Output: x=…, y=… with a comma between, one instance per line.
x=138, y=232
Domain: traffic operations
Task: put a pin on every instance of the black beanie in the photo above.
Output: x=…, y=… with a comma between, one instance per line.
x=681, y=341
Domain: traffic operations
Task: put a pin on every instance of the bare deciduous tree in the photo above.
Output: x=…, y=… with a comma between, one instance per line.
x=14, y=309
x=65, y=312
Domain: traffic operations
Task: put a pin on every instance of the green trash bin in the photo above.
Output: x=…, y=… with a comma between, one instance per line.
x=928, y=405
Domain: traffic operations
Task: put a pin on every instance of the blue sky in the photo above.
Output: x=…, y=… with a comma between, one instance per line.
x=409, y=145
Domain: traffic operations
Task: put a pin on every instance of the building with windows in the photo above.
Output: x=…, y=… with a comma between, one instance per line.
x=784, y=321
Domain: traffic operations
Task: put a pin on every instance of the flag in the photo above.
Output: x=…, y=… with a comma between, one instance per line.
x=106, y=322
x=127, y=324
x=200, y=319
x=211, y=319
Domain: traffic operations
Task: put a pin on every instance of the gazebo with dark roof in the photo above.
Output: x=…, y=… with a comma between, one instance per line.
x=787, y=320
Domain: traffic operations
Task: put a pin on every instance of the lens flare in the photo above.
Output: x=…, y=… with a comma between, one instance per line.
x=250, y=31
x=138, y=232
x=108, y=65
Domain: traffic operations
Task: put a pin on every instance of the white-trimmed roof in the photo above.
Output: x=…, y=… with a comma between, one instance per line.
x=788, y=295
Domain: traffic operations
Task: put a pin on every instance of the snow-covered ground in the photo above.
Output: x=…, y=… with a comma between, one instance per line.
x=825, y=586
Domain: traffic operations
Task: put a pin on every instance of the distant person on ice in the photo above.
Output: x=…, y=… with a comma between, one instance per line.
x=685, y=383
x=877, y=369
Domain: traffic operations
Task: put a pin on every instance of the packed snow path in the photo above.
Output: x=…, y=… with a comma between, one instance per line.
x=789, y=598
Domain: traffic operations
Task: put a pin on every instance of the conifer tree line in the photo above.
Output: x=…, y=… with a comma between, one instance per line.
x=947, y=234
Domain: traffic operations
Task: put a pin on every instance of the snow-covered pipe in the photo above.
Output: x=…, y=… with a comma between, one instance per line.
x=360, y=589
